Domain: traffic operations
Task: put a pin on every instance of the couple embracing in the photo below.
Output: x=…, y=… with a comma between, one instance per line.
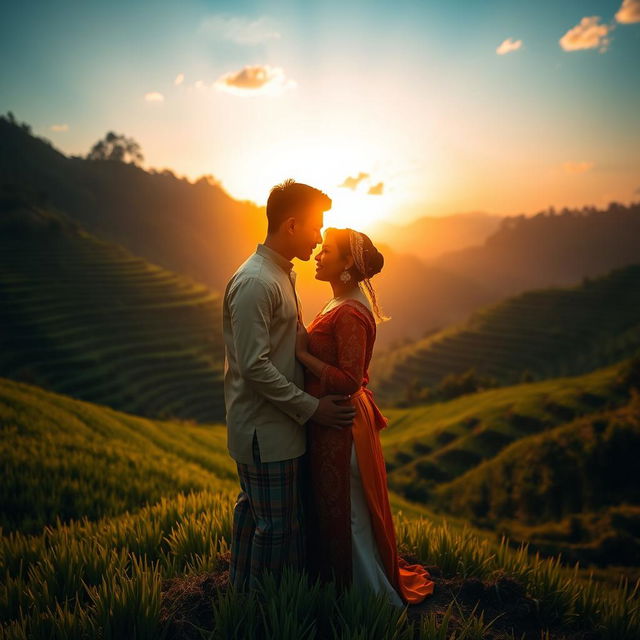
x=302, y=424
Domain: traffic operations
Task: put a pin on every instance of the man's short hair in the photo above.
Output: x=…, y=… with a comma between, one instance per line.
x=291, y=198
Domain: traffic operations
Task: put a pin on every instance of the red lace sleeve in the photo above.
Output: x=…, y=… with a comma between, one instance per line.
x=352, y=332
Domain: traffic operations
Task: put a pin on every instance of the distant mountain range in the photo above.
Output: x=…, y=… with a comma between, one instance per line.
x=200, y=231
x=429, y=237
x=551, y=248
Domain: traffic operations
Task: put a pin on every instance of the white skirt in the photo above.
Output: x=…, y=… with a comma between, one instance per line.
x=368, y=570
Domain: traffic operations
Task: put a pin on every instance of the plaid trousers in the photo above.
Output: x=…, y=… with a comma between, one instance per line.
x=268, y=531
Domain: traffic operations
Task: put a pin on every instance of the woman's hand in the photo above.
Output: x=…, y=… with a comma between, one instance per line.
x=302, y=341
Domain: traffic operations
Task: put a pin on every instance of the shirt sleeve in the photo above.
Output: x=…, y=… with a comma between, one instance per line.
x=351, y=332
x=251, y=307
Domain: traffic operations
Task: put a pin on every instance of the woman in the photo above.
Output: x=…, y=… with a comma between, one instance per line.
x=350, y=528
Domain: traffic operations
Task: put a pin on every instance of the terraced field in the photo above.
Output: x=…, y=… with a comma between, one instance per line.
x=86, y=318
x=433, y=444
x=546, y=462
x=547, y=333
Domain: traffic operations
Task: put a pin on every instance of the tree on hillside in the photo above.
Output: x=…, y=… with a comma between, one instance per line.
x=11, y=119
x=209, y=180
x=116, y=147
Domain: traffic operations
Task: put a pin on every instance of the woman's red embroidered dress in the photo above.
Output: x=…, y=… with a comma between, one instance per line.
x=343, y=338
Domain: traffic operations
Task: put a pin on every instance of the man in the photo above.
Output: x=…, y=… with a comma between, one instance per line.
x=265, y=404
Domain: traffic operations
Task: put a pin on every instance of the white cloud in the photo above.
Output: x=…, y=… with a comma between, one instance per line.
x=575, y=168
x=179, y=79
x=589, y=34
x=508, y=46
x=354, y=182
x=240, y=30
x=629, y=12
x=351, y=182
x=59, y=127
x=154, y=96
x=257, y=79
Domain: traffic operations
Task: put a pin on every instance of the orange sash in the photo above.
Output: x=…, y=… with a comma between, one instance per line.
x=410, y=581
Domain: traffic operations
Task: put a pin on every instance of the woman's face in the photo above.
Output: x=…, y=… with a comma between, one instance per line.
x=329, y=262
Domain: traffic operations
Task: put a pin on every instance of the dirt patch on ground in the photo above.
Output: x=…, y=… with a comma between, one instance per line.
x=186, y=605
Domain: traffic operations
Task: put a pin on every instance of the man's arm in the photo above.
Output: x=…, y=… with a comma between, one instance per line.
x=251, y=308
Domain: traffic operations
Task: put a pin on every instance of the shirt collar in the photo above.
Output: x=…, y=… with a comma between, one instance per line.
x=274, y=256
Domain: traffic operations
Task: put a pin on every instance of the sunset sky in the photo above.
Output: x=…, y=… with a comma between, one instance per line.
x=395, y=109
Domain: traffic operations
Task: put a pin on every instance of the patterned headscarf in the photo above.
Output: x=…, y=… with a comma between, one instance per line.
x=359, y=253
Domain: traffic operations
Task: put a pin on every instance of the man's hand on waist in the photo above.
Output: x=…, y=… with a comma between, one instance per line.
x=335, y=410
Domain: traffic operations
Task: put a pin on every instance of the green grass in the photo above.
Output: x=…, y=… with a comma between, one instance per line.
x=547, y=333
x=86, y=318
x=583, y=465
x=104, y=579
x=147, y=501
x=66, y=458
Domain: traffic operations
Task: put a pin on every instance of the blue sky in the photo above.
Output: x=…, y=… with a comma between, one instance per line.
x=413, y=95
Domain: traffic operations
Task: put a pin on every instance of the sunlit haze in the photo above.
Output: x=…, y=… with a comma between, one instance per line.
x=394, y=109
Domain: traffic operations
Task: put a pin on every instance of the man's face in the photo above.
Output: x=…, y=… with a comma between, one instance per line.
x=307, y=234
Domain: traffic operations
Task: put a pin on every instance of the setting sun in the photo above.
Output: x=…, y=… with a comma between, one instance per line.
x=361, y=194
x=355, y=209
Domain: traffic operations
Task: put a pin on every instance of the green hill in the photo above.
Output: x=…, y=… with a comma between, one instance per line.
x=539, y=334
x=571, y=489
x=439, y=442
x=138, y=517
x=66, y=459
x=435, y=452
x=551, y=248
x=84, y=317
x=196, y=229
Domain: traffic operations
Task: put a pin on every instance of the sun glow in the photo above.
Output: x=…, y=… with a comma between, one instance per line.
x=324, y=163
x=355, y=209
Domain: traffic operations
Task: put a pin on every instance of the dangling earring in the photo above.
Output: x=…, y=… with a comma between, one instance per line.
x=345, y=276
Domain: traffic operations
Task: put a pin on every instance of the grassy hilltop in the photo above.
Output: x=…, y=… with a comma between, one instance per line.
x=161, y=573
x=137, y=520
x=64, y=459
